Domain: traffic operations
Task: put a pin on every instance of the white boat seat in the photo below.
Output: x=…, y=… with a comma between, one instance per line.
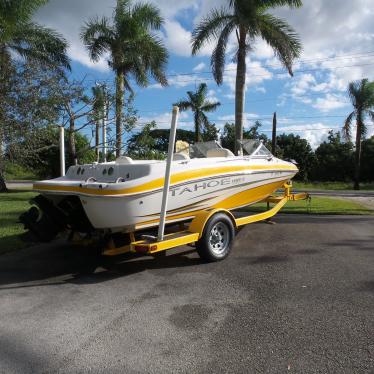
x=124, y=160
x=180, y=157
x=219, y=152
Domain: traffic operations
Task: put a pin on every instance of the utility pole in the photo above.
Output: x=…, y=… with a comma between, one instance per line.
x=62, y=151
x=104, y=125
x=274, y=136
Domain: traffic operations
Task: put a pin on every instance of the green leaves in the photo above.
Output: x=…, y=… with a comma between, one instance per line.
x=32, y=42
x=198, y=103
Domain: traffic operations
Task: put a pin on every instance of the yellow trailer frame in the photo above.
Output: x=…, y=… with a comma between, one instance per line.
x=196, y=228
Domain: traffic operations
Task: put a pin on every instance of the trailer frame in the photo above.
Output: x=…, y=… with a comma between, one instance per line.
x=150, y=245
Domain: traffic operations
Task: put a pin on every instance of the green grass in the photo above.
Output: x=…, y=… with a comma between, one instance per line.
x=15, y=203
x=18, y=172
x=318, y=205
x=331, y=186
x=12, y=204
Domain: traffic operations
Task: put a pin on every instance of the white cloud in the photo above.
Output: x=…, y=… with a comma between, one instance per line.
x=315, y=133
x=330, y=102
x=163, y=120
x=255, y=75
x=177, y=38
x=199, y=67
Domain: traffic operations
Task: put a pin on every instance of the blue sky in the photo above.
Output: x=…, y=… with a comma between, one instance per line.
x=338, y=39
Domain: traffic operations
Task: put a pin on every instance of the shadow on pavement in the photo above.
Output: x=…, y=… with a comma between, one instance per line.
x=45, y=264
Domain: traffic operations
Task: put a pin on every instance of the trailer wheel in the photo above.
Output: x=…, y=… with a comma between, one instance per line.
x=216, y=241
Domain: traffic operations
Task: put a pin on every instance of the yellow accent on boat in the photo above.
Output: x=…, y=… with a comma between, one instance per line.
x=158, y=183
x=238, y=200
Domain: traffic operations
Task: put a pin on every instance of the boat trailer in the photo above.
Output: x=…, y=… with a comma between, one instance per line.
x=211, y=232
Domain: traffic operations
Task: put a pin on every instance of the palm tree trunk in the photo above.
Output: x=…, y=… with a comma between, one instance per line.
x=3, y=64
x=120, y=88
x=97, y=139
x=197, y=127
x=356, y=185
x=240, y=91
x=72, y=145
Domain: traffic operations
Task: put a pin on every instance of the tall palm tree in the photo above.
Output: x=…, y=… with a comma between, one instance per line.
x=98, y=114
x=135, y=52
x=199, y=104
x=249, y=20
x=20, y=37
x=361, y=94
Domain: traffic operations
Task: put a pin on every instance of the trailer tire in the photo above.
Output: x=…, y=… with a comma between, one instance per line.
x=217, y=238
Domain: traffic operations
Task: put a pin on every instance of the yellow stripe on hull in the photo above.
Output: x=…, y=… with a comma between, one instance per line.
x=158, y=183
x=235, y=201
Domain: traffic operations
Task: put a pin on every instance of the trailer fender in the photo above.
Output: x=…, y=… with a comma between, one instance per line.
x=198, y=223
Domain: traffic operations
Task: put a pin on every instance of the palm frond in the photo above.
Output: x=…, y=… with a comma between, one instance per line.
x=147, y=15
x=37, y=43
x=97, y=35
x=281, y=37
x=217, y=60
x=153, y=54
x=347, y=128
x=210, y=28
x=371, y=115
x=201, y=92
x=210, y=107
x=183, y=105
x=279, y=3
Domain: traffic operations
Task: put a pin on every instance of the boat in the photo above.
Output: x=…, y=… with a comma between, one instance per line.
x=125, y=195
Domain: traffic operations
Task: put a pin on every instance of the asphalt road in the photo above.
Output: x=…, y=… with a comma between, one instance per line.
x=295, y=297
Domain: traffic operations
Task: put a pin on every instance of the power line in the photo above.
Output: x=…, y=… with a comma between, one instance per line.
x=358, y=55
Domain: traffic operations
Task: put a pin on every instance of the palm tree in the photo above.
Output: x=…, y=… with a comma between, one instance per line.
x=135, y=52
x=199, y=104
x=20, y=37
x=361, y=94
x=98, y=114
x=249, y=19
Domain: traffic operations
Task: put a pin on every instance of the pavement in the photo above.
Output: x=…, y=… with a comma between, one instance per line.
x=293, y=297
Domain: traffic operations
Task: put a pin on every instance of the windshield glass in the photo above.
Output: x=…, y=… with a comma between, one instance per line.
x=200, y=149
x=255, y=148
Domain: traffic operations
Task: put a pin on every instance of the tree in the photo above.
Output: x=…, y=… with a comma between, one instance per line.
x=135, y=52
x=199, y=104
x=143, y=145
x=228, y=136
x=292, y=147
x=249, y=19
x=21, y=37
x=367, y=168
x=334, y=160
x=98, y=114
x=361, y=94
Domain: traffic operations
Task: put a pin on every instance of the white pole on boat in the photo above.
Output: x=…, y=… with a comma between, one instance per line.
x=104, y=124
x=62, y=151
x=165, y=192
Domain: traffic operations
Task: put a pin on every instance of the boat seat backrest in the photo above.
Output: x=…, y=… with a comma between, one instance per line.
x=124, y=160
x=219, y=152
x=180, y=157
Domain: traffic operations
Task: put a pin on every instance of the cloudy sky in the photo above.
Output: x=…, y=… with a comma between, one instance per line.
x=338, y=47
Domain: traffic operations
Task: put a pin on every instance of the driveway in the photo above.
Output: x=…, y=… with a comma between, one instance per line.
x=294, y=297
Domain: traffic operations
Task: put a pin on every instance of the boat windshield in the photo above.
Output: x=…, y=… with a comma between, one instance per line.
x=255, y=148
x=200, y=149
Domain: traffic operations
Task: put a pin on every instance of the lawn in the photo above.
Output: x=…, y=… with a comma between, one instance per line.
x=318, y=205
x=12, y=204
x=331, y=186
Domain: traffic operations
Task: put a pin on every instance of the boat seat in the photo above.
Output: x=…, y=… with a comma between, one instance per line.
x=180, y=157
x=219, y=152
x=124, y=160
